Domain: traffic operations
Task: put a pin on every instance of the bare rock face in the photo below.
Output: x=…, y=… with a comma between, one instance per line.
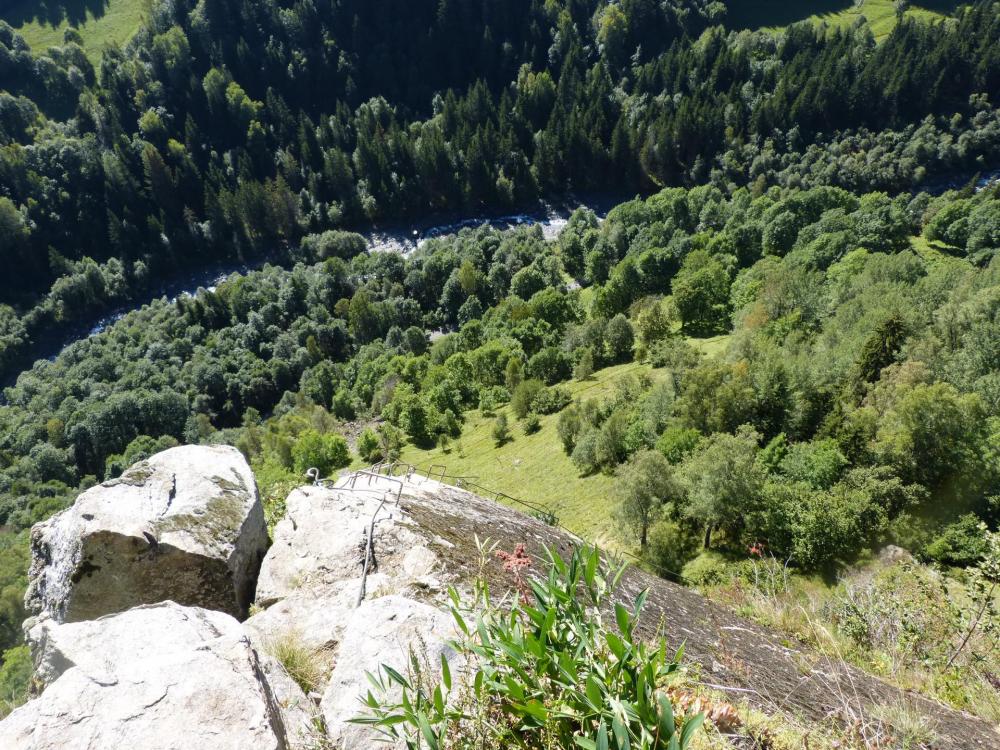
x=320, y=542
x=156, y=677
x=186, y=525
x=311, y=580
x=107, y=643
x=387, y=630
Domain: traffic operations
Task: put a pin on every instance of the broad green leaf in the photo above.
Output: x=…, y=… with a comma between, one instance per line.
x=690, y=727
x=623, y=620
x=640, y=602
x=594, y=694
x=445, y=672
x=666, y=718
x=429, y=735
x=459, y=620
x=396, y=676
x=616, y=645
x=534, y=709
x=621, y=734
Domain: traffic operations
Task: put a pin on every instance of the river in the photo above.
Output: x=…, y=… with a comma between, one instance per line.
x=396, y=237
x=405, y=238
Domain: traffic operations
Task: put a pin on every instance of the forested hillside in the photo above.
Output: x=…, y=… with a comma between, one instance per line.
x=227, y=129
x=793, y=222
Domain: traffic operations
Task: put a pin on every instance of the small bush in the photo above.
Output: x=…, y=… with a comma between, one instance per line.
x=531, y=424
x=333, y=244
x=550, y=400
x=568, y=427
x=677, y=443
x=443, y=442
x=961, y=543
x=326, y=452
x=550, y=365
x=585, y=365
x=707, y=569
x=584, y=454
x=493, y=397
x=670, y=547
x=523, y=398
x=501, y=431
x=369, y=446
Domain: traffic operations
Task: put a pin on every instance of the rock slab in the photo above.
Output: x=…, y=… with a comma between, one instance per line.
x=159, y=677
x=186, y=525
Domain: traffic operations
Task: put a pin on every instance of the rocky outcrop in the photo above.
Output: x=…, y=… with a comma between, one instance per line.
x=160, y=676
x=426, y=542
x=186, y=525
x=356, y=578
x=310, y=586
x=383, y=631
x=109, y=642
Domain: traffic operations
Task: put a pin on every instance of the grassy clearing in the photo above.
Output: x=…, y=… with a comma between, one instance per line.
x=711, y=347
x=937, y=253
x=881, y=14
x=99, y=22
x=534, y=468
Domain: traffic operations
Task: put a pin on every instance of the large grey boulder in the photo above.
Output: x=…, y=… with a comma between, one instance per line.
x=156, y=677
x=185, y=525
x=106, y=644
x=321, y=543
x=390, y=630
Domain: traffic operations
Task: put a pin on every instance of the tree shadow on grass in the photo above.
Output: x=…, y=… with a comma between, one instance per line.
x=53, y=12
x=945, y=7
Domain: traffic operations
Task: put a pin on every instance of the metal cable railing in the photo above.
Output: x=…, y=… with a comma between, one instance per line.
x=439, y=473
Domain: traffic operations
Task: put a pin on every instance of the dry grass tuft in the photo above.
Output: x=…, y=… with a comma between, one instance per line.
x=306, y=665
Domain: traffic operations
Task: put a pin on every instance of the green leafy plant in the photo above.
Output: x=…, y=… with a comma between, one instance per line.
x=545, y=673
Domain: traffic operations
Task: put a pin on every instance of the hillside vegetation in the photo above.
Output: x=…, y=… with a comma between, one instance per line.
x=881, y=15
x=204, y=138
x=99, y=23
x=789, y=372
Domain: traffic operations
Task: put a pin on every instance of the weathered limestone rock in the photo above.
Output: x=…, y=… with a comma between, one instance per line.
x=381, y=631
x=311, y=579
x=186, y=525
x=159, y=676
x=107, y=643
x=320, y=542
x=892, y=555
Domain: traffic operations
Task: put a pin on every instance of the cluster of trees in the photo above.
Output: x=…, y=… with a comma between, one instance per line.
x=858, y=401
x=204, y=137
